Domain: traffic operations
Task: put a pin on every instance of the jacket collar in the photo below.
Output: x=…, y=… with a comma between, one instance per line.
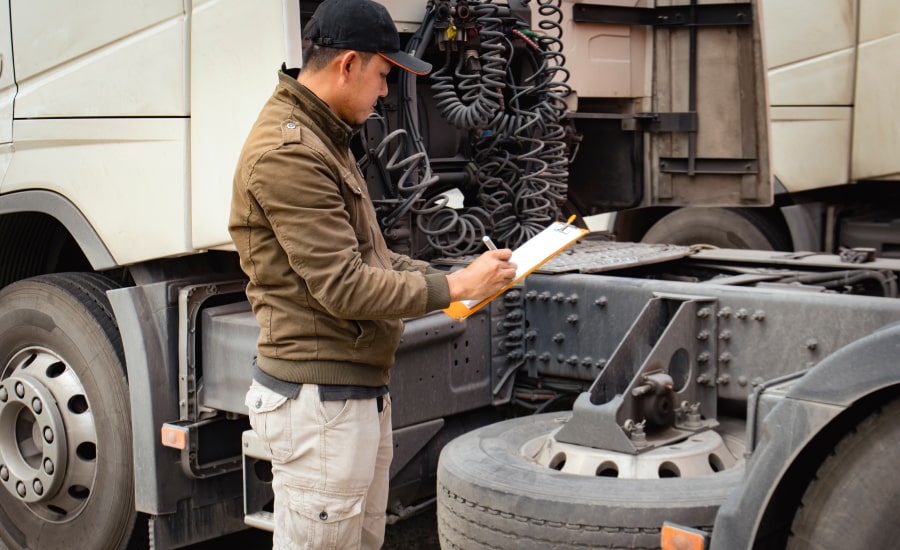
x=319, y=113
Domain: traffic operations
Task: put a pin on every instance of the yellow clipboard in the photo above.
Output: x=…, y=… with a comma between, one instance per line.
x=528, y=257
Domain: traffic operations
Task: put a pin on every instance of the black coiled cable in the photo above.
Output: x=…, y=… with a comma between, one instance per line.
x=521, y=167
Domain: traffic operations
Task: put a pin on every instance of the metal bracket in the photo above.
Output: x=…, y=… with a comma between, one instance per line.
x=631, y=406
x=192, y=418
x=661, y=122
x=702, y=15
x=708, y=166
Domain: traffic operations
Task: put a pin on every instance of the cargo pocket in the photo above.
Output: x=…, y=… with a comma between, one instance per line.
x=270, y=420
x=326, y=519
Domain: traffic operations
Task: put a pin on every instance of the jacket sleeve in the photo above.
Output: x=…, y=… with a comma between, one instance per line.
x=308, y=203
x=435, y=279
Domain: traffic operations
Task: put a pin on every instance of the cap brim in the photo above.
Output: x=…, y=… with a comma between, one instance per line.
x=407, y=62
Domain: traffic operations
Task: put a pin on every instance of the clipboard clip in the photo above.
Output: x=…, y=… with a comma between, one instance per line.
x=567, y=226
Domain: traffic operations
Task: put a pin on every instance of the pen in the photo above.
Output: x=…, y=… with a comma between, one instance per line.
x=489, y=243
x=564, y=228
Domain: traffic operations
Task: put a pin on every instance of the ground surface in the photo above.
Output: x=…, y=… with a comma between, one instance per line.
x=416, y=533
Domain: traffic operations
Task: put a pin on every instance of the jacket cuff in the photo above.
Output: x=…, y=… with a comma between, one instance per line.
x=438, y=291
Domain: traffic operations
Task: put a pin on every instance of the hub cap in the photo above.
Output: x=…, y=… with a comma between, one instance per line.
x=48, y=439
x=703, y=453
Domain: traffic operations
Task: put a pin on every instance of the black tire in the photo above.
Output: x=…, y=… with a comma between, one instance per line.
x=66, y=463
x=719, y=227
x=851, y=502
x=489, y=496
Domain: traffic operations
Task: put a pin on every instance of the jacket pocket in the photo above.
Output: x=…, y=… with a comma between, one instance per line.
x=365, y=333
x=329, y=519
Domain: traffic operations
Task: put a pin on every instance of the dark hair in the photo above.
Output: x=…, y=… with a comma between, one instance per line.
x=316, y=58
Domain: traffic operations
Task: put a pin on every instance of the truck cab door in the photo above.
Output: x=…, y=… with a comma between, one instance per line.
x=672, y=105
x=7, y=88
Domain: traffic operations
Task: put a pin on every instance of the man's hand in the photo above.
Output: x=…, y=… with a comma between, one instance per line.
x=484, y=277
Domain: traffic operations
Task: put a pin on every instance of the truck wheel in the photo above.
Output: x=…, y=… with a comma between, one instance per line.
x=851, y=502
x=66, y=466
x=720, y=227
x=493, y=493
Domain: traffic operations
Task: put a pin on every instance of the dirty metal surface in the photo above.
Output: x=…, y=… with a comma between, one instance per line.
x=593, y=255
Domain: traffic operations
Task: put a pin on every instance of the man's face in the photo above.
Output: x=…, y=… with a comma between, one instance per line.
x=366, y=82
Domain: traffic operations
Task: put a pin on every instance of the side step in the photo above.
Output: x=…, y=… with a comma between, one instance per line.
x=258, y=496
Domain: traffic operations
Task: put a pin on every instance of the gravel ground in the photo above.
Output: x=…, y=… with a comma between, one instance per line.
x=416, y=533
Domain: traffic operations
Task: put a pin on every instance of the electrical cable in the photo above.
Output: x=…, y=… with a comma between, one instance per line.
x=516, y=138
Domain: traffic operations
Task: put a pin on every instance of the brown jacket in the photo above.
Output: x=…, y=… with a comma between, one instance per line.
x=327, y=292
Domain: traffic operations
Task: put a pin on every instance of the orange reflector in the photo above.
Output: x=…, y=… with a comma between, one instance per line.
x=678, y=537
x=174, y=436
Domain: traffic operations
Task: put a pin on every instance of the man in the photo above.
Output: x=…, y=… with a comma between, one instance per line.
x=328, y=294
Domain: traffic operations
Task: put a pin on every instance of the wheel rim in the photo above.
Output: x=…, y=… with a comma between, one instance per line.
x=48, y=438
x=704, y=453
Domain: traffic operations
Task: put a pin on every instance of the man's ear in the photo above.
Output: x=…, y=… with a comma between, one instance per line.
x=346, y=62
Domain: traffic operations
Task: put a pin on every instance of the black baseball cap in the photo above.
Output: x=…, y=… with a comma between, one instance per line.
x=361, y=25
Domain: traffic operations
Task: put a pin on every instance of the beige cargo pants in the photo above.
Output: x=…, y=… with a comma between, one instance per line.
x=330, y=462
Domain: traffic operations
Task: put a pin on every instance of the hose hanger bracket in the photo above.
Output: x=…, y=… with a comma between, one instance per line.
x=702, y=15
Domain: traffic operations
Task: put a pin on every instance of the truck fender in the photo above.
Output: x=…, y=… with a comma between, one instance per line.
x=800, y=428
x=62, y=209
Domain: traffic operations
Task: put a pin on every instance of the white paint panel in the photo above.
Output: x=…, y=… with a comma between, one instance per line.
x=823, y=80
x=237, y=48
x=128, y=177
x=797, y=30
x=7, y=80
x=139, y=75
x=876, y=128
x=878, y=19
x=50, y=33
x=810, y=146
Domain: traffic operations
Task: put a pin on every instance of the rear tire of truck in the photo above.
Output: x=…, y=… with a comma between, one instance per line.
x=492, y=496
x=66, y=465
x=851, y=502
x=719, y=227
